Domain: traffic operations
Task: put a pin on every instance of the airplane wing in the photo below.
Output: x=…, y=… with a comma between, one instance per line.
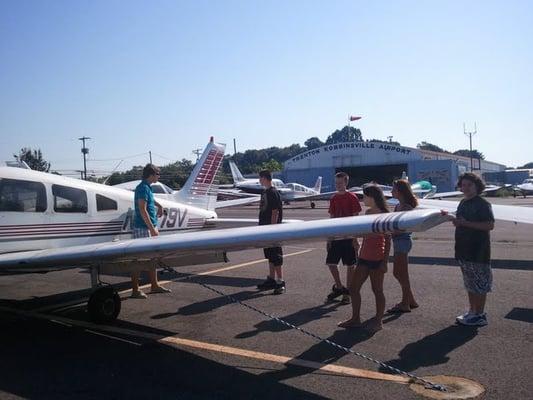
x=319, y=196
x=166, y=248
x=236, y=202
x=442, y=195
x=516, y=214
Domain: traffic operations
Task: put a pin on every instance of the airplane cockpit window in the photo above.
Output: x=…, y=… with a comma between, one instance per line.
x=167, y=189
x=157, y=189
x=69, y=199
x=105, y=203
x=22, y=196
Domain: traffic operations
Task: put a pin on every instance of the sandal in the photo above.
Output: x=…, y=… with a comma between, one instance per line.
x=397, y=310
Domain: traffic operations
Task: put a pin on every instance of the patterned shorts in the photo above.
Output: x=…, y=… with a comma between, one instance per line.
x=140, y=233
x=477, y=277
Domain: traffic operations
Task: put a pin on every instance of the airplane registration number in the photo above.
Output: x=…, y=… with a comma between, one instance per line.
x=173, y=216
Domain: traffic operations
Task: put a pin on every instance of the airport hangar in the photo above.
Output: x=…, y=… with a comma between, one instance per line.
x=381, y=162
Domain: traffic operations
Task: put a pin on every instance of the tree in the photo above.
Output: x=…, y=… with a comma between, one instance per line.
x=34, y=159
x=271, y=165
x=466, y=153
x=313, y=143
x=346, y=134
x=431, y=147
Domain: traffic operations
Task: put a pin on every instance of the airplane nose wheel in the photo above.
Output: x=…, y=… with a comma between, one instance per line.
x=313, y=205
x=104, y=305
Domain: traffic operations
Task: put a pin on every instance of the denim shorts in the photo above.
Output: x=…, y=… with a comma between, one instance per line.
x=402, y=245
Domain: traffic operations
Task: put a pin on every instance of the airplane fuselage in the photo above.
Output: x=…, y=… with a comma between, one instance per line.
x=43, y=211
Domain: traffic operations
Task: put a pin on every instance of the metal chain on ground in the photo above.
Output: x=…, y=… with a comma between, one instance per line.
x=426, y=383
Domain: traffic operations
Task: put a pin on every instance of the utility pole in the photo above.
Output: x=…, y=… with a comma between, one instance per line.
x=470, y=134
x=197, y=152
x=234, y=147
x=390, y=138
x=150, y=153
x=84, y=151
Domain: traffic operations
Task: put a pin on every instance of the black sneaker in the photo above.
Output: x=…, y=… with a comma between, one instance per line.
x=337, y=292
x=268, y=284
x=280, y=288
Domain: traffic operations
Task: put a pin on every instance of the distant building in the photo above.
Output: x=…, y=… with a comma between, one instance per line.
x=380, y=162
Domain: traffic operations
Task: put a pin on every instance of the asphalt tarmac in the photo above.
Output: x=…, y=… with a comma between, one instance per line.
x=197, y=344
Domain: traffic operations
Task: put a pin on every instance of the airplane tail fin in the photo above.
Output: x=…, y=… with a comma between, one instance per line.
x=235, y=173
x=201, y=188
x=318, y=185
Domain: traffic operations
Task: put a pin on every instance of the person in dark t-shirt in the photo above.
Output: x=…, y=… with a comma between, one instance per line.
x=271, y=212
x=473, y=221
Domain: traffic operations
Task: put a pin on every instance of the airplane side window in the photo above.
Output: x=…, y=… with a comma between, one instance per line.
x=69, y=200
x=105, y=203
x=22, y=196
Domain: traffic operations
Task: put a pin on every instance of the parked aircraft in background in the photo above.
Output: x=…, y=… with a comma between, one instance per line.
x=289, y=192
x=249, y=185
x=525, y=188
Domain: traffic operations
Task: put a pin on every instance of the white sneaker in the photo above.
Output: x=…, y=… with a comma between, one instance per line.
x=462, y=317
x=475, y=320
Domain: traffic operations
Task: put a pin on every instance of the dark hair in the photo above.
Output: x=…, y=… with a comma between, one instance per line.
x=265, y=174
x=149, y=170
x=342, y=175
x=376, y=193
x=476, y=180
x=404, y=188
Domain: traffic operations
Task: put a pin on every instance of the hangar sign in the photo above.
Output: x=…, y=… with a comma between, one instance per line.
x=352, y=145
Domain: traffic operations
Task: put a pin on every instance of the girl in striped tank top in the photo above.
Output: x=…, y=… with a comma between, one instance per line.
x=372, y=262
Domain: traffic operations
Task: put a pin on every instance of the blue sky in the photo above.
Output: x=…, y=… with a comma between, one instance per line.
x=165, y=75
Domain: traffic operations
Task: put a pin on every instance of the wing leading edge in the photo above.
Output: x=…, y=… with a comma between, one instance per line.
x=516, y=214
x=198, y=243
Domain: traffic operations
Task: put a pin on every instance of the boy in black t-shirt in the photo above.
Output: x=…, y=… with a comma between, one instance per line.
x=271, y=212
x=473, y=221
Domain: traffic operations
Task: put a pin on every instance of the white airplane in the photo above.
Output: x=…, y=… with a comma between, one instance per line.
x=249, y=185
x=289, y=192
x=525, y=188
x=162, y=191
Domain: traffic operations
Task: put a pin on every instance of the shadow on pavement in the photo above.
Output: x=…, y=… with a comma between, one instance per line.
x=322, y=353
x=521, y=265
x=210, y=304
x=44, y=361
x=433, y=349
x=521, y=314
x=298, y=318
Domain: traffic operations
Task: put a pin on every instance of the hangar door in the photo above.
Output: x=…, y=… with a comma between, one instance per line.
x=382, y=174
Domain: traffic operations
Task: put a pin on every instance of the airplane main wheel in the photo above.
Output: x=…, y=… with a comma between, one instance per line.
x=313, y=205
x=104, y=305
